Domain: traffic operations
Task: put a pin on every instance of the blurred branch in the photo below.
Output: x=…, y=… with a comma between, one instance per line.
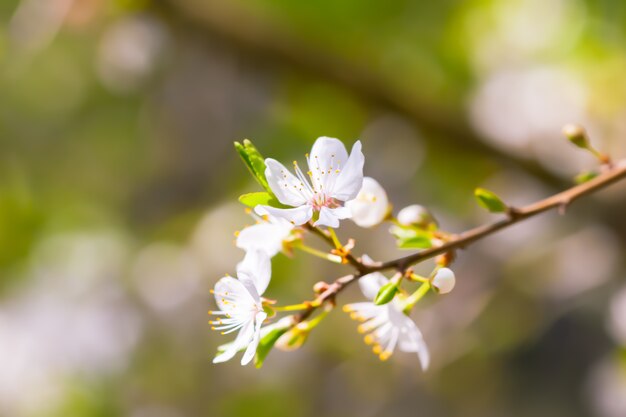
x=266, y=40
x=558, y=201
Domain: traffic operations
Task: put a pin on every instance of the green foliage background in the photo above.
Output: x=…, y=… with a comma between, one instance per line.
x=117, y=120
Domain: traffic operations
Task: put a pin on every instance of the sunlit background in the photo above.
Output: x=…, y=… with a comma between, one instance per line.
x=119, y=186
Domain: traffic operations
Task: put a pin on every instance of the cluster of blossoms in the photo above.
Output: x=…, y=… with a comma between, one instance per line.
x=293, y=205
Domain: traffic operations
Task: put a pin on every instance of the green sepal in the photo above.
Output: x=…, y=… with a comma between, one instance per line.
x=490, y=201
x=261, y=197
x=386, y=293
x=266, y=344
x=254, y=161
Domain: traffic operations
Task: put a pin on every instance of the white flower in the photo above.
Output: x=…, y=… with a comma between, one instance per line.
x=334, y=178
x=444, y=281
x=371, y=205
x=239, y=301
x=268, y=235
x=386, y=326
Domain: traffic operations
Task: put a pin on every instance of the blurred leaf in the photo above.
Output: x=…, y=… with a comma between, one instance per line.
x=416, y=242
x=266, y=344
x=254, y=161
x=585, y=176
x=261, y=197
x=489, y=200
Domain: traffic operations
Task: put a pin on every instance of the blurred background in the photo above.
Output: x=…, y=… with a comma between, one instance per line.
x=119, y=186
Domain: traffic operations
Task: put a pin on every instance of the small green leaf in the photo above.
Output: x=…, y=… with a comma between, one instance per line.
x=585, y=176
x=261, y=197
x=266, y=344
x=489, y=200
x=386, y=293
x=254, y=161
x=416, y=242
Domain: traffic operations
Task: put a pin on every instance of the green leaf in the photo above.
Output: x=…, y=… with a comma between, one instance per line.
x=266, y=344
x=585, y=176
x=422, y=241
x=386, y=293
x=261, y=197
x=254, y=161
x=489, y=200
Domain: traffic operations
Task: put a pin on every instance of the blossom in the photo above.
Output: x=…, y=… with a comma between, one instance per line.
x=371, y=205
x=268, y=235
x=240, y=306
x=334, y=178
x=443, y=281
x=386, y=326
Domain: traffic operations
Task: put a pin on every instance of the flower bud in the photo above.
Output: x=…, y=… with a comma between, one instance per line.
x=320, y=287
x=371, y=205
x=443, y=281
x=577, y=135
x=416, y=215
x=294, y=338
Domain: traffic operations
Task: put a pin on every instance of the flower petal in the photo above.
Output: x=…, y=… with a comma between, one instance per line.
x=370, y=207
x=267, y=237
x=257, y=269
x=231, y=295
x=241, y=341
x=330, y=217
x=251, y=349
x=288, y=189
x=411, y=340
x=350, y=179
x=296, y=216
x=371, y=283
x=327, y=156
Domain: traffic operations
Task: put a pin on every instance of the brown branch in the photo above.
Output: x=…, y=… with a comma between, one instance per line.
x=515, y=215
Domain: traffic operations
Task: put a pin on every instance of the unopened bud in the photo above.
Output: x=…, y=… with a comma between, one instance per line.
x=415, y=215
x=577, y=135
x=320, y=287
x=443, y=281
x=294, y=338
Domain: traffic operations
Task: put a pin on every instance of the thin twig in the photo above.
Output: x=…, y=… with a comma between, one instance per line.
x=558, y=201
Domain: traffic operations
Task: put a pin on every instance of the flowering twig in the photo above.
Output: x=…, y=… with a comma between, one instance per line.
x=514, y=215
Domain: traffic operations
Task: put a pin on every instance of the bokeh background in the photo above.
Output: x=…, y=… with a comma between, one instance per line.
x=119, y=186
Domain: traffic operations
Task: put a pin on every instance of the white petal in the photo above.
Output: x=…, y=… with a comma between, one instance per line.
x=296, y=216
x=288, y=189
x=444, y=281
x=327, y=155
x=241, y=341
x=370, y=207
x=371, y=283
x=266, y=237
x=256, y=268
x=350, y=179
x=411, y=340
x=232, y=296
x=251, y=349
x=330, y=217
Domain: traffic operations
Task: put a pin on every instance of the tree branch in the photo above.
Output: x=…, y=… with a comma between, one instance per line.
x=559, y=201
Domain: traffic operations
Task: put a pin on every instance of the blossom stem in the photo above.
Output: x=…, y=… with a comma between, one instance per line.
x=416, y=296
x=418, y=278
x=320, y=254
x=293, y=307
x=335, y=239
